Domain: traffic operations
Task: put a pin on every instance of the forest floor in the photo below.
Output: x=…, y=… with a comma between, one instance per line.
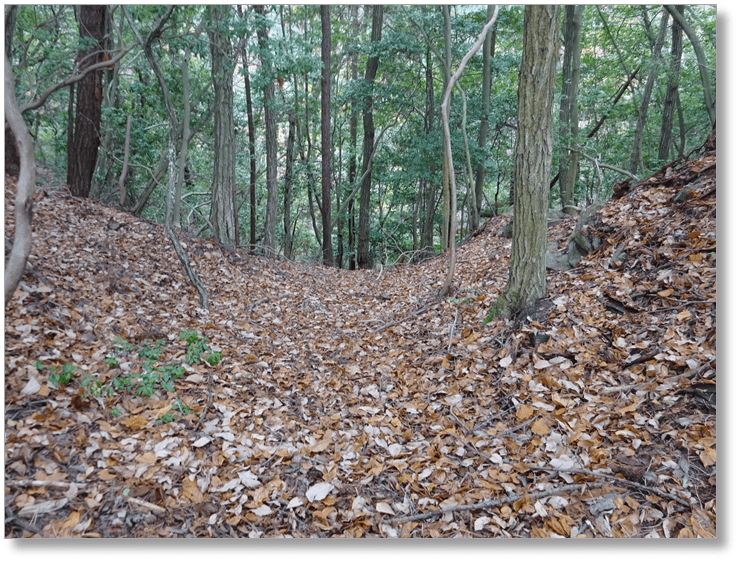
x=358, y=403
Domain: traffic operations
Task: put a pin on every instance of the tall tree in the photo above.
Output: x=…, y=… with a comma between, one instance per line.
x=269, y=240
x=326, y=149
x=223, y=188
x=489, y=46
x=252, y=152
x=352, y=172
x=701, y=59
x=82, y=148
x=368, y=141
x=671, y=96
x=532, y=159
x=16, y=264
x=636, y=159
x=568, y=169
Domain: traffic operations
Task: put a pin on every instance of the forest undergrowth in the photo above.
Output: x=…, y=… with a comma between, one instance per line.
x=318, y=402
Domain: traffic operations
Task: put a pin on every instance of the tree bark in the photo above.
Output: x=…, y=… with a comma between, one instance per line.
x=480, y=171
x=82, y=152
x=700, y=59
x=448, y=145
x=270, y=239
x=352, y=172
x=532, y=159
x=636, y=158
x=223, y=190
x=171, y=150
x=124, y=169
x=288, y=188
x=568, y=167
x=671, y=97
x=22, y=238
x=326, y=135
x=368, y=141
x=252, y=156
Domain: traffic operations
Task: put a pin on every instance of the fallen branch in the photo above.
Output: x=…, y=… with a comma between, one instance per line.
x=409, y=317
x=495, y=503
x=624, y=481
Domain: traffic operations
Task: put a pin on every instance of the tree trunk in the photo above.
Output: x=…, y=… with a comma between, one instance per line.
x=171, y=150
x=568, y=169
x=326, y=135
x=700, y=59
x=270, y=239
x=368, y=141
x=636, y=158
x=671, y=97
x=430, y=201
x=532, y=159
x=16, y=263
x=252, y=156
x=445, y=110
x=446, y=200
x=352, y=173
x=82, y=152
x=480, y=171
x=223, y=188
x=288, y=188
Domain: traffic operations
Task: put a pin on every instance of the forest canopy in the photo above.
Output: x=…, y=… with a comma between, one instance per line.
x=242, y=104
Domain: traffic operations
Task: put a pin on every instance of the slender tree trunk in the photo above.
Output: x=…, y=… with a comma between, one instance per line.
x=447, y=232
x=252, y=156
x=671, y=97
x=124, y=170
x=352, y=173
x=636, y=158
x=480, y=171
x=532, y=159
x=368, y=141
x=223, y=188
x=445, y=110
x=82, y=152
x=171, y=149
x=572, y=18
x=700, y=59
x=269, y=241
x=288, y=188
x=16, y=264
x=326, y=134
x=430, y=202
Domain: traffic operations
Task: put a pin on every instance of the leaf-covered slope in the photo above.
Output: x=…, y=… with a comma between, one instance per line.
x=358, y=403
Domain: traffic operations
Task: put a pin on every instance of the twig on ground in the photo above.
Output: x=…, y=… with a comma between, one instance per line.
x=494, y=503
x=624, y=481
x=409, y=317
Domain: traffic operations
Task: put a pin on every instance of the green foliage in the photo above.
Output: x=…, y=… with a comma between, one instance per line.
x=150, y=378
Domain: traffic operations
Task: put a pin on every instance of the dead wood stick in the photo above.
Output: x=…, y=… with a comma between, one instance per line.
x=409, y=317
x=624, y=481
x=494, y=503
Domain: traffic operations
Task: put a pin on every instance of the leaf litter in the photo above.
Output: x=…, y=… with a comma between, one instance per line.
x=358, y=403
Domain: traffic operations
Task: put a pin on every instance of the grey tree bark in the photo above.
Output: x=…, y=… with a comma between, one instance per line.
x=700, y=59
x=671, y=96
x=270, y=237
x=532, y=159
x=223, y=189
x=480, y=170
x=368, y=141
x=636, y=158
x=22, y=238
x=568, y=168
x=326, y=135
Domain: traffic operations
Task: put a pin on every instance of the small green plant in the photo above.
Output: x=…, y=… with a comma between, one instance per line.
x=198, y=348
x=152, y=350
x=167, y=418
x=115, y=412
x=181, y=407
x=58, y=376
